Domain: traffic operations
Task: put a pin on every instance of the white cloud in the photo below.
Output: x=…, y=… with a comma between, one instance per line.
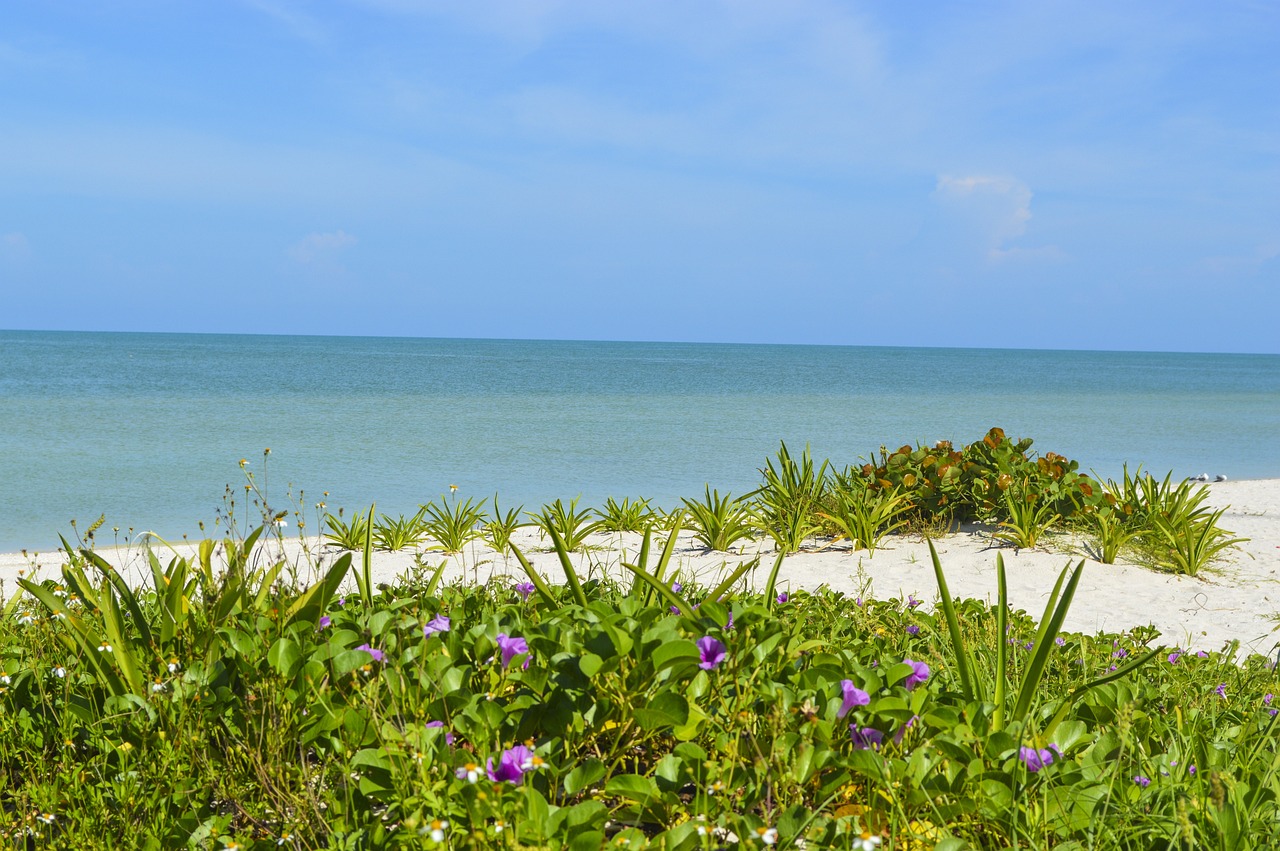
x=994, y=211
x=321, y=250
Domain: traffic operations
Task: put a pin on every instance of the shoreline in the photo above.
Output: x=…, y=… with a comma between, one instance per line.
x=1236, y=599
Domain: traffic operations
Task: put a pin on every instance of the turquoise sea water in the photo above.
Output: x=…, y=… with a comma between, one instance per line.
x=149, y=428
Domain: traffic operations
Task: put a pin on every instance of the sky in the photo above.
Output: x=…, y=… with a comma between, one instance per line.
x=1074, y=175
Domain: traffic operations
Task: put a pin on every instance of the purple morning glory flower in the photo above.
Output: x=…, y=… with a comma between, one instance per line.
x=912, y=602
x=325, y=622
x=342, y=601
x=448, y=736
x=1174, y=657
x=729, y=625
x=1191, y=770
x=1200, y=654
x=712, y=653
x=1035, y=760
x=525, y=589
x=510, y=765
x=377, y=654
x=1060, y=641
x=865, y=738
x=511, y=648
x=676, y=586
x=439, y=623
x=853, y=696
x=784, y=597
x=913, y=630
x=1144, y=782
x=858, y=602
x=919, y=673
x=1221, y=690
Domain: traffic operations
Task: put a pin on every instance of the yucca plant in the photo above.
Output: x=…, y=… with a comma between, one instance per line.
x=863, y=515
x=626, y=516
x=347, y=536
x=399, y=533
x=719, y=522
x=1111, y=533
x=1029, y=517
x=1189, y=545
x=572, y=526
x=787, y=504
x=454, y=524
x=498, y=530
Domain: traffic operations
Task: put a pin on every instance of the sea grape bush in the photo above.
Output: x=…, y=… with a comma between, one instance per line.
x=475, y=716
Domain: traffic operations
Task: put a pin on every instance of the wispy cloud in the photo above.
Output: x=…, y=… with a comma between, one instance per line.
x=996, y=210
x=321, y=251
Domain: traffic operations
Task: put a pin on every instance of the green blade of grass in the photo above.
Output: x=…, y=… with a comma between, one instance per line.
x=964, y=665
x=733, y=577
x=1050, y=625
x=658, y=585
x=566, y=564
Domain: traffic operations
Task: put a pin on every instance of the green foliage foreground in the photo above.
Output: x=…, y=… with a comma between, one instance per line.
x=224, y=710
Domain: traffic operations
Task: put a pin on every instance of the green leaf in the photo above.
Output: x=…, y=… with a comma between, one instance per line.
x=285, y=656
x=666, y=709
x=633, y=787
x=587, y=774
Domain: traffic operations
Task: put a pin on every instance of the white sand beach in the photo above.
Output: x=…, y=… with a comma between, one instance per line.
x=1237, y=599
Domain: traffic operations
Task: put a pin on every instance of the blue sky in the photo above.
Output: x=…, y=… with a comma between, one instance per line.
x=1020, y=174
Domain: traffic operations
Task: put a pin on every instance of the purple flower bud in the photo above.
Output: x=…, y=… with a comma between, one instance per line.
x=438, y=624
x=1144, y=782
x=1221, y=690
x=711, y=653
x=919, y=673
x=511, y=648
x=1060, y=641
x=783, y=597
x=865, y=738
x=912, y=602
x=913, y=630
x=1174, y=657
x=853, y=696
x=448, y=736
x=325, y=622
x=525, y=589
x=1034, y=759
x=377, y=654
x=676, y=586
x=902, y=731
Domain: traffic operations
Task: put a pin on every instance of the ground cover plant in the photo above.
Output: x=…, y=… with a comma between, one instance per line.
x=219, y=706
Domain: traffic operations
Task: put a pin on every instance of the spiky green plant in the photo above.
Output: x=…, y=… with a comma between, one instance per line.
x=865, y=515
x=346, y=536
x=786, y=505
x=393, y=534
x=626, y=516
x=571, y=525
x=501, y=527
x=1028, y=517
x=455, y=523
x=719, y=522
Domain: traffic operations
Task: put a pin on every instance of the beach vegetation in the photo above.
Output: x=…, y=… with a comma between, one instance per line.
x=862, y=513
x=720, y=522
x=453, y=523
x=215, y=707
x=789, y=500
x=629, y=515
x=499, y=528
x=570, y=524
x=347, y=535
x=392, y=534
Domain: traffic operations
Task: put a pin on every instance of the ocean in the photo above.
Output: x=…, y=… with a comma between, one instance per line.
x=149, y=429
